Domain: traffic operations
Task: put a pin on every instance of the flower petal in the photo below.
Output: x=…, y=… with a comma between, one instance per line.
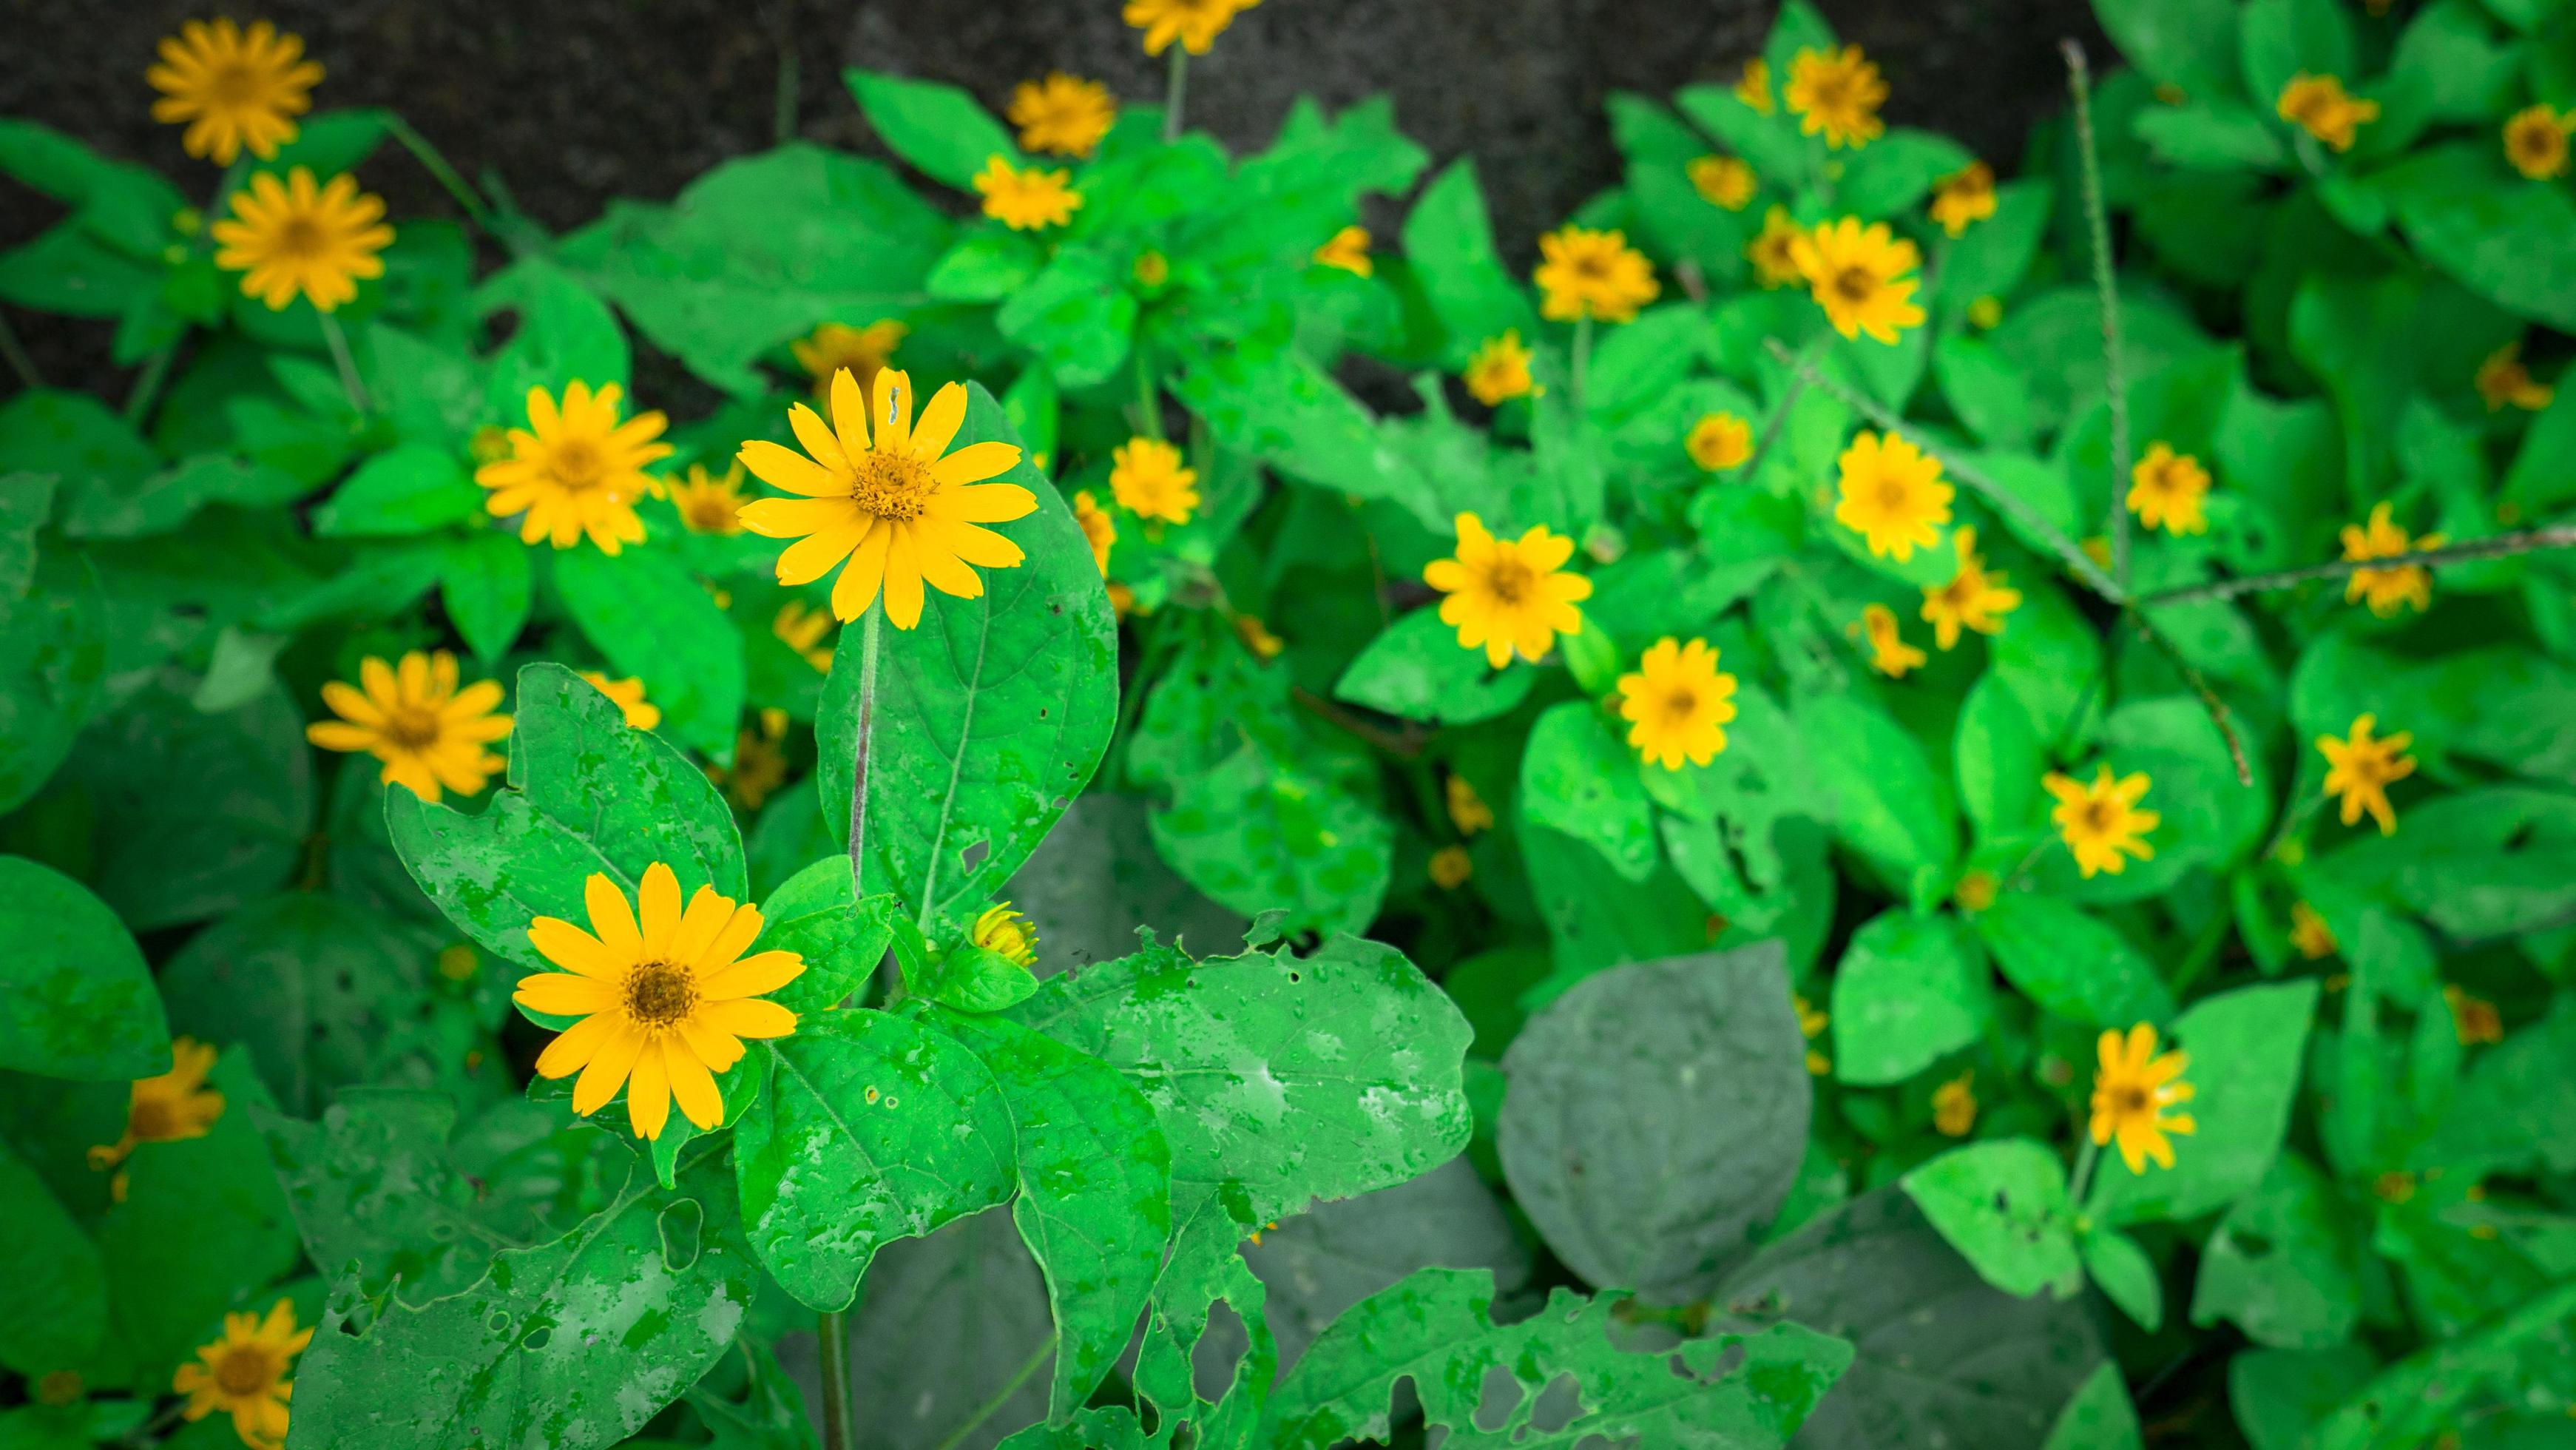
x=608, y=1067
x=753, y=976
x=658, y=906
x=575, y=1046
x=565, y=994
x=691, y=1083
x=939, y=422
x=610, y=918
x=749, y=1017
x=648, y=1092
x=979, y=461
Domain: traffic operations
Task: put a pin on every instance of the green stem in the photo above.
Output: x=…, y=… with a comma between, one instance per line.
x=1582, y=354
x=2085, y=1157
x=2501, y=546
x=1779, y=421
x=1149, y=399
x=1176, y=92
x=1003, y=1395
x=147, y=387
x=436, y=165
x=2097, y=218
x=347, y=364
x=2200, y=686
x=871, y=634
x=18, y=360
x=834, y=1331
x=790, y=80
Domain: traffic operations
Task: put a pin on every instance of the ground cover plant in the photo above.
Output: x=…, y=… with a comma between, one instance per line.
x=1894, y=800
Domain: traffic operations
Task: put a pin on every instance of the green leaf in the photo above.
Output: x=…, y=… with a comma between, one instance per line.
x=818, y=915
x=2286, y=1262
x=1449, y=244
x=95, y=456
x=1999, y=761
x=53, y=652
x=53, y=1288
x=654, y=623
x=970, y=978
x=565, y=335
x=1577, y=779
x=408, y=489
x=1257, y=832
x=2434, y=1388
x=1657, y=1116
x=1416, y=670
x=1886, y=803
x=82, y=1003
x=937, y=128
x=2126, y=1276
x=870, y=1128
x=2071, y=964
x=2100, y=1416
x=488, y=585
x=1076, y=315
x=2185, y=43
x=2003, y=1206
x=1909, y=991
x=163, y=502
x=2246, y=1047
x=1895, y=172
x=2503, y=238
x=1598, y=918
x=985, y=266
x=2211, y=137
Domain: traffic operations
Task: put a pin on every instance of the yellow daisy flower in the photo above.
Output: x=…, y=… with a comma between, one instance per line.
x=244, y=1373
x=1677, y=703
x=1964, y=196
x=759, y=762
x=1892, y=495
x=1585, y=273
x=2359, y=771
x=1194, y=23
x=1007, y=933
x=1348, y=250
x=1889, y=654
x=899, y=507
x=1257, y=638
x=2131, y=1092
x=575, y=470
x=1973, y=599
x=2503, y=379
x=412, y=717
x=1148, y=480
x=1772, y=253
x=1857, y=275
x=1753, y=88
x=2166, y=489
x=1098, y=529
x=295, y=239
x=1508, y=595
x=1062, y=115
x=2309, y=933
x=641, y=714
x=664, y=995
x=1028, y=198
x=165, y=1109
x=1500, y=369
x=802, y=630
x=1467, y=810
x=1451, y=867
x=1838, y=93
x=1954, y=1106
x=1720, y=441
x=2473, y=1019
x=709, y=504
x=2101, y=820
x=2319, y=106
x=2535, y=141
x=2387, y=589
x=235, y=89
x=1723, y=181
x=836, y=346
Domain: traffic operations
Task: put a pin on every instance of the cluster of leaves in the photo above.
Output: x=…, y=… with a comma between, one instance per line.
x=1698, y=1103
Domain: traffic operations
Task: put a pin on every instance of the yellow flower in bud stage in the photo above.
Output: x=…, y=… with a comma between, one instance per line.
x=166, y=1108
x=2309, y=932
x=1677, y=703
x=836, y=346
x=1973, y=599
x=1194, y=23
x=1986, y=312
x=244, y=1374
x=664, y=997
x=1007, y=933
x=430, y=735
x=641, y=714
x=709, y=504
x=1954, y=1106
x=2131, y=1092
x=802, y=630
x=1720, y=441
x=1062, y=115
x=1451, y=867
x=1723, y=181
x=1467, y=810
x=1889, y=654
x=1099, y=530
x=296, y=239
x=1152, y=268
x=1857, y=274
x=1026, y=199
x=2166, y=489
x=1964, y=196
x=1812, y=1022
x=2387, y=590
x=237, y=90
x=1147, y=479
x=2503, y=379
x=2473, y=1020
x=1586, y=273
x=1773, y=252
x=1753, y=88
x=1837, y=93
x=2359, y=771
x=2535, y=141
x=1508, y=595
x=1500, y=369
x=2319, y=106
x=895, y=503
x=1891, y=495
x=1348, y=251
x=2101, y=821
x=1257, y=638
x=1975, y=891
x=575, y=470
x=759, y=762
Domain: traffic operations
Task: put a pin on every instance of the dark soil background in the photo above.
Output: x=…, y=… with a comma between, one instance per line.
x=572, y=102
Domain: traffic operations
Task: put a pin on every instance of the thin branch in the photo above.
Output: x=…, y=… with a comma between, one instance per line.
x=2217, y=708
x=833, y=1329
x=1002, y=1396
x=1779, y=420
x=871, y=631
x=1405, y=745
x=2079, y=81
x=16, y=356
x=2497, y=547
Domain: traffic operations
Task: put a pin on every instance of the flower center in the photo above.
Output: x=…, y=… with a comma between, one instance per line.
x=245, y=1369
x=2101, y=816
x=1509, y=580
x=2130, y=1100
x=660, y=993
x=301, y=237
x=411, y=727
x=150, y=1120
x=1855, y=284
x=1893, y=495
x=709, y=512
x=1830, y=90
x=1680, y=705
x=893, y=486
x=578, y=464
x=234, y=85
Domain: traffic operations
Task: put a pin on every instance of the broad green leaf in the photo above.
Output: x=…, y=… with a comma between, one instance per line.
x=967, y=977
x=2279, y=1395
x=166, y=500
x=818, y=915
x=1076, y=314
x=2073, y=965
x=1887, y=805
x=1258, y=833
x=655, y=624
x=408, y=489
x=1895, y=172
x=488, y=585
x=2190, y=44
x=2003, y=1206
x=2434, y=1388
x=2211, y=137
x=986, y=266
x=1416, y=670
x=81, y=1001
x=2126, y=1276
x=1910, y=990
x=565, y=334
x=2100, y=1416
x=1597, y=918
x=95, y=456
x=1450, y=246
x=53, y=1288
x=2246, y=1047
x=1579, y=780
x=938, y=128
x=2000, y=762
x=2286, y=1262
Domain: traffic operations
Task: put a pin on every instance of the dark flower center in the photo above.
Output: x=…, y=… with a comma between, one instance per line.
x=660, y=993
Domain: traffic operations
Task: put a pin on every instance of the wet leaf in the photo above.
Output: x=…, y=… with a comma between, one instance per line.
x=81, y=1000
x=2003, y=1206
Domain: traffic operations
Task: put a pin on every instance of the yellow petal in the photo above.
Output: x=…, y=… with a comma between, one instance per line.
x=610, y=918
x=940, y=421
x=691, y=1084
x=609, y=1064
x=753, y=976
x=658, y=905
x=749, y=1017
x=575, y=1046
x=564, y=994
x=648, y=1092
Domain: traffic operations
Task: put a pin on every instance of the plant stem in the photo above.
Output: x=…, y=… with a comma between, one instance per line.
x=1149, y=399
x=834, y=1331
x=19, y=363
x=870, y=635
x=790, y=78
x=2500, y=546
x=1582, y=354
x=147, y=386
x=1002, y=1396
x=341, y=358
x=2209, y=701
x=2082, y=1179
x=2079, y=81
x=1176, y=92
x=436, y=165
x=1779, y=419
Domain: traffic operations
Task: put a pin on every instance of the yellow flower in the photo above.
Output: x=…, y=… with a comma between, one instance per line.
x=244, y=1372
x=1507, y=595
x=1954, y=1106
x=802, y=630
x=234, y=89
x=2101, y=820
x=1772, y=253
x=1892, y=495
x=2473, y=1020
x=412, y=717
x=1122, y=599
x=899, y=507
x=1152, y=268
x=2386, y=589
x=836, y=346
x=297, y=239
x=1467, y=810
x=1677, y=703
x=1585, y=273
x=1964, y=196
x=1811, y=1024
x=664, y=995
x=2130, y=1095
x=1148, y=480
x=575, y=470
x=2535, y=141
x=1098, y=529
x=708, y=504
x=1754, y=88
x=2503, y=379
x=1257, y=638
x=2166, y=489
x=2309, y=933
x=1062, y=115
x=1975, y=891
x=1889, y=654
x=641, y=714
x=1348, y=250
x=1724, y=181
x=1451, y=866
x=1986, y=312
x=2359, y=770
x=1007, y=933
x=164, y=1109
x=1857, y=274
x=1194, y=23
x=2319, y=106
x=1026, y=198
x=759, y=762
x=1837, y=93
x=1500, y=369
x=1973, y=599
x=1719, y=441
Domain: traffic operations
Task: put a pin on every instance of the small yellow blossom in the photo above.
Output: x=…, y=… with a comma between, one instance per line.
x=1026, y=199
x=1509, y=595
x=1891, y=495
x=1954, y=1106
x=1257, y=638
x=2166, y=490
x=2131, y=1092
x=1838, y=93
x=803, y=630
x=1986, y=312
x=2309, y=933
x=1499, y=370
x=1773, y=253
x=1148, y=480
x=1062, y=115
x=1753, y=88
x=1723, y=181
x=2394, y=1186
x=1451, y=866
x=575, y=471
x=2100, y=821
x=1964, y=196
x=2360, y=769
x=459, y=962
x=235, y=89
x=2473, y=1020
x=430, y=734
x=759, y=762
x=1467, y=810
x=2504, y=379
x=2387, y=589
x=1677, y=703
x=838, y=347
x=298, y=239
x=1151, y=269
x=243, y=1372
x=1889, y=654
x=628, y=695
x=1720, y=441
x=1007, y=933
x=1194, y=23
x=1812, y=1022
x=1347, y=251
x=1099, y=530
x=1975, y=891
x=166, y=1108
x=2535, y=141
x=1857, y=275
x=1586, y=273
x=710, y=503
x=1973, y=599
x=2318, y=105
